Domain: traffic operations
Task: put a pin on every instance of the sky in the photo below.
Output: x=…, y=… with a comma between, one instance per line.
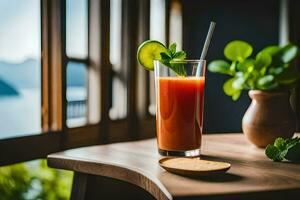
x=77, y=28
x=20, y=29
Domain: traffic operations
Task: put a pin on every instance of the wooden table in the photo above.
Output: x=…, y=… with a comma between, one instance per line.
x=252, y=175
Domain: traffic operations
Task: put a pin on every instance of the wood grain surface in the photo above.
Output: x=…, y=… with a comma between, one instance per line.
x=251, y=176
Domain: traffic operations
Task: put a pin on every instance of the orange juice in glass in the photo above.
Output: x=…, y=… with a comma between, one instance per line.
x=179, y=113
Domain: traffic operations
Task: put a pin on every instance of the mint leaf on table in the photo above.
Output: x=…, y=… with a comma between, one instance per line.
x=284, y=149
x=274, y=153
x=280, y=143
x=294, y=153
x=172, y=56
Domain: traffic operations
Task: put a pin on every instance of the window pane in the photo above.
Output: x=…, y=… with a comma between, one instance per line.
x=157, y=32
x=176, y=23
x=118, y=108
x=76, y=94
x=115, y=32
x=157, y=20
x=77, y=28
x=152, y=106
x=20, y=68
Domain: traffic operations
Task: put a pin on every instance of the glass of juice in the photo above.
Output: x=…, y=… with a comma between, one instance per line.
x=179, y=107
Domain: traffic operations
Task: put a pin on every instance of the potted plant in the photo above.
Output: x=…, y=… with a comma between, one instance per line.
x=269, y=77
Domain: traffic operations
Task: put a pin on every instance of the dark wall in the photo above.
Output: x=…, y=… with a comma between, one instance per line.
x=255, y=21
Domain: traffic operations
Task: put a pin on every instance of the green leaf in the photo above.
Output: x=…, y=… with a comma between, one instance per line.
x=284, y=148
x=172, y=48
x=165, y=56
x=239, y=82
x=267, y=82
x=233, y=67
x=294, y=153
x=227, y=87
x=268, y=71
x=274, y=153
x=271, y=50
x=280, y=143
x=289, y=76
x=219, y=66
x=276, y=71
x=262, y=60
x=236, y=95
x=291, y=142
x=230, y=90
x=180, y=55
x=288, y=53
x=238, y=50
x=178, y=68
x=170, y=57
x=250, y=84
x=246, y=65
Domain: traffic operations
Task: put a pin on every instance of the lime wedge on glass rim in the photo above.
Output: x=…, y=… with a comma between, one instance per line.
x=149, y=51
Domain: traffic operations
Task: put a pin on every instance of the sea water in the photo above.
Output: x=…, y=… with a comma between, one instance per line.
x=20, y=115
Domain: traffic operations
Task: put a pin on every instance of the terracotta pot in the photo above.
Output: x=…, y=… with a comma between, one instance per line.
x=269, y=116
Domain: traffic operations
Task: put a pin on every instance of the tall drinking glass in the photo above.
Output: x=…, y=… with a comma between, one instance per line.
x=179, y=107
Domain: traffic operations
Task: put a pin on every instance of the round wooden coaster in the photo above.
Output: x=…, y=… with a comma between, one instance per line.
x=193, y=166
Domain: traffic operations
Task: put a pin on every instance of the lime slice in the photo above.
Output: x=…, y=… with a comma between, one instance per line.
x=149, y=51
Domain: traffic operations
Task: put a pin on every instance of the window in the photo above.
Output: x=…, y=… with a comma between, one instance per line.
x=20, y=68
x=157, y=32
x=76, y=93
x=77, y=29
x=176, y=23
x=118, y=109
x=44, y=78
x=77, y=64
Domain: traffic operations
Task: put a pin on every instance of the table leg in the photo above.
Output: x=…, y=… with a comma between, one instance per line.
x=79, y=186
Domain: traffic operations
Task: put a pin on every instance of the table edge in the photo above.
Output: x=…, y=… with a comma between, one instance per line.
x=153, y=185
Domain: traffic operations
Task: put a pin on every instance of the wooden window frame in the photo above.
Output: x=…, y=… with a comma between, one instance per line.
x=24, y=148
x=56, y=136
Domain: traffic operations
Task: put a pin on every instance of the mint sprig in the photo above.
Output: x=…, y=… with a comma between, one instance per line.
x=284, y=149
x=171, y=57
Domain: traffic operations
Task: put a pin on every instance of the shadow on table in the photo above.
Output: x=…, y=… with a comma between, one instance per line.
x=219, y=178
